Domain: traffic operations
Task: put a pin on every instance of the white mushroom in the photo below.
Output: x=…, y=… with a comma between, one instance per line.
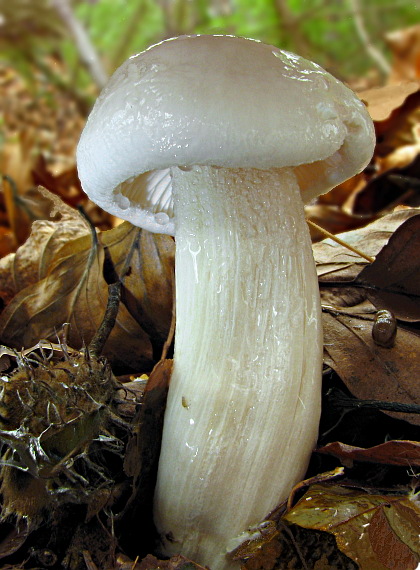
x=216, y=140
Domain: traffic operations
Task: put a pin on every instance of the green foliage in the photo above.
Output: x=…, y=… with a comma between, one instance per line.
x=121, y=27
x=322, y=30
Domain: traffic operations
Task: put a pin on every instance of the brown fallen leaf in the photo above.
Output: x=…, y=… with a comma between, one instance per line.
x=392, y=281
x=369, y=371
x=14, y=539
x=31, y=261
x=405, y=48
x=174, y=563
x=395, y=452
x=378, y=532
x=333, y=220
x=387, y=190
x=66, y=185
x=142, y=456
x=16, y=161
x=148, y=286
x=338, y=267
x=75, y=291
x=383, y=101
x=339, y=194
x=395, y=112
x=277, y=545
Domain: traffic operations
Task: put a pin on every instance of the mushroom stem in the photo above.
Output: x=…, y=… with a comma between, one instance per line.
x=244, y=401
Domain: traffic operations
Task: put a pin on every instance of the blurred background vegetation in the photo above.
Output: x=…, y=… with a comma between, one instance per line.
x=49, y=37
x=55, y=55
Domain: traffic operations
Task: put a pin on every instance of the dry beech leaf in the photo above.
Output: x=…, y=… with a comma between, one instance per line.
x=369, y=371
x=394, y=452
x=395, y=110
x=392, y=281
x=11, y=542
x=383, y=101
x=75, y=293
x=32, y=259
x=16, y=161
x=332, y=219
x=66, y=184
x=336, y=263
x=338, y=195
x=401, y=157
x=405, y=48
x=393, y=187
x=149, y=285
x=378, y=532
x=174, y=563
x=142, y=455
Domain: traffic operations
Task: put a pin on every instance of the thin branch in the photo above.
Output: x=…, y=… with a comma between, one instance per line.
x=86, y=50
x=290, y=24
x=130, y=32
x=340, y=399
x=341, y=242
x=374, y=53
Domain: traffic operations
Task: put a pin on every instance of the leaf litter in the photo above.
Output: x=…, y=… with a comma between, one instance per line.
x=378, y=532
x=350, y=347
x=73, y=288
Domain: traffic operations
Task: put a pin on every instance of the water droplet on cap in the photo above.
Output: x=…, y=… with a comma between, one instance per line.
x=161, y=218
x=122, y=202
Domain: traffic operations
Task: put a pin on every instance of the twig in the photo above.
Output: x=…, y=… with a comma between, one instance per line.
x=99, y=339
x=362, y=32
x=340, y=399
x=290, y=24
x=90, y=565
x=171, y=333
x=109, y=319
x=86, y=50
x=341, y=242
x=130, y=32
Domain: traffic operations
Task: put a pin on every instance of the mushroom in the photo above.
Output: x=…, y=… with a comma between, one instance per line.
x=218, y=140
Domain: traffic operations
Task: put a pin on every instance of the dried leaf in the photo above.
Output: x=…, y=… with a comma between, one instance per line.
x=285, y=547
x=141, y=459
x=393, y=187
x=369, y=371
x=395, y=110
x=340, y=194
x=32, y=259
x=18, y=218
x=145, y=446
x=335, y=263
x=174, y=563
x=332, y=219
x=383, y=101
x=149, y=283
x=378, y=532
x=372, y=372
x=338, y=267
x=400, y=158
x=393, y=281
x=14, y=539
x=395, y=452
x=75, y=293
x=66, y=184
x=405, y=48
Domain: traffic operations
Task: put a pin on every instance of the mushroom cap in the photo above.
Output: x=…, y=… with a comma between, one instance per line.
x=220, y=101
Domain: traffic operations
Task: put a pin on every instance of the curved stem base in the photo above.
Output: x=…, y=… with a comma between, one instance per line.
x=244, y=400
